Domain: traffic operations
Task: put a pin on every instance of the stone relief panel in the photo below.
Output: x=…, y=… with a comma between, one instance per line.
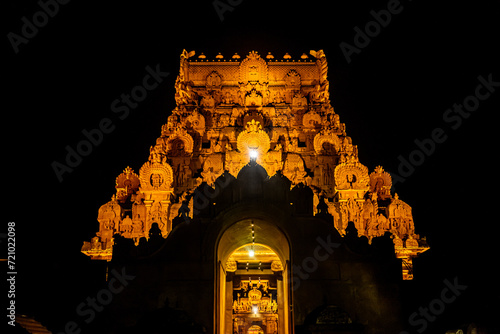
x=381, y=183
x=326, y=142
x=253, y=138
x=195, y=121
x=213, y=167
x=156, y=176
x=180, y=143
x=294, y=168
x=253, y=68
x=127, y=183
x=351, y=176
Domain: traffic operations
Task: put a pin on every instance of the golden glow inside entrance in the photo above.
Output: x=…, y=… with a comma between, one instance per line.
x=255, y=293
x=252, y=288
x=255, y=330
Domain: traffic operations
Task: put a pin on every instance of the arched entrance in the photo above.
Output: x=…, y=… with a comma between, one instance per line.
x=252, y=280
x=254, y=270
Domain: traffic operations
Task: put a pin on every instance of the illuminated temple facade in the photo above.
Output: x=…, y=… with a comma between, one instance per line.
x=259, y=214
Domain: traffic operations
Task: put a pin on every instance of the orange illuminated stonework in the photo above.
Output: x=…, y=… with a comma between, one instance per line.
x=276, y=112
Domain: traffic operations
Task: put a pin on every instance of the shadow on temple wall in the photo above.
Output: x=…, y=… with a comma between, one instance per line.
x=124, y=249
x=381, y=247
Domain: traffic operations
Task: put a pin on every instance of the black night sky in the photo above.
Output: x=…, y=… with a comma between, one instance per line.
x=395, y=90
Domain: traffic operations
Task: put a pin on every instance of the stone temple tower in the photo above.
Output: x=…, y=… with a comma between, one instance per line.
x=253, y=213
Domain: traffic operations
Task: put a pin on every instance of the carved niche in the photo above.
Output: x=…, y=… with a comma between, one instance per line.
x=400, y=217
x=126, y=184
x=158, y=213
x=312, y=120
x=213, y=81
x=253, y=69
x=326, y=142
x=292, y=80
x=369, y=216
x=109, y=218
x=381, y=183
x=180, y=143
x=139, y=215
x=156, y=176
x=196, y=121
x=253, y=138
x=351, y=176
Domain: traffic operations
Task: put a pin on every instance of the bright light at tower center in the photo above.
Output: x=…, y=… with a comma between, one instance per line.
x=254, y=154
x=255, y=309
x=251, y=252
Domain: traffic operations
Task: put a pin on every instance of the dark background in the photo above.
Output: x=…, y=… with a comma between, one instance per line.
x=394, y=91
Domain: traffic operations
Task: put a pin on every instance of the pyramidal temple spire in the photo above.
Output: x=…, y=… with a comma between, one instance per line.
x=274, y=111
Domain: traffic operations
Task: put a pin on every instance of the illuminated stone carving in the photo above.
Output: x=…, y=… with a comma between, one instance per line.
x=109, y=219
x=255, y=298
x=312, y=120
x=231, y=265
x=277, y=110
x=351, y=176
x=253, y=138
x=253, y=69
x=127, y=183
x=292, y=90
x=294, y=168
x=213, y=81
x=180, y=142
x=196, y=121
x=380, y=183
x=156, y=176
x=321, y=92
x=184, y=93
x=326, y=142
x=212, y=168
x=276, y=266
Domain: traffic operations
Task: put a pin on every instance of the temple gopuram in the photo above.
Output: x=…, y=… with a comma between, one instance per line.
x=253, y=213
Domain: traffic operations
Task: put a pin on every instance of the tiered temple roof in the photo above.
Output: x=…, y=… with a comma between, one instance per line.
x=275, y=111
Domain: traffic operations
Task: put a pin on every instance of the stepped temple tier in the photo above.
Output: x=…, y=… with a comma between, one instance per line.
x=253, y=212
